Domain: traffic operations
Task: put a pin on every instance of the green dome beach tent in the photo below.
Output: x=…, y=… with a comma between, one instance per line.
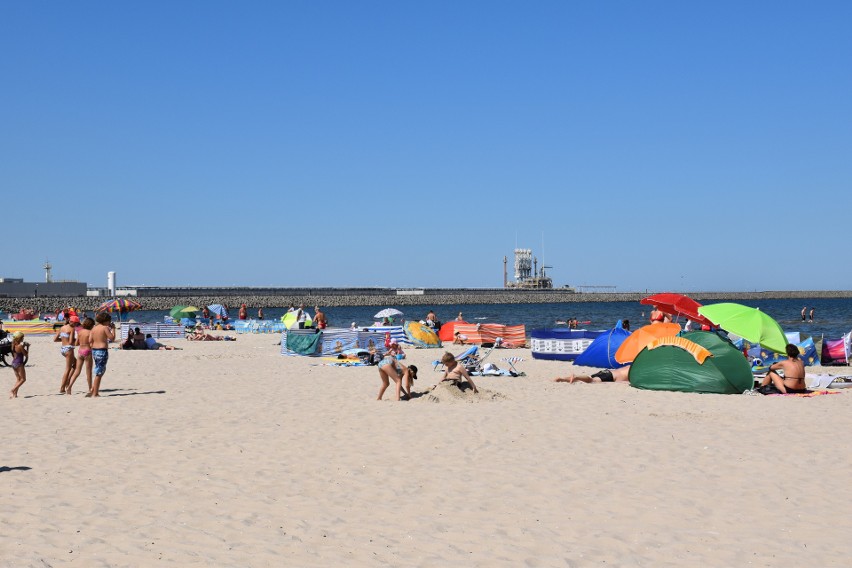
x=698, y=361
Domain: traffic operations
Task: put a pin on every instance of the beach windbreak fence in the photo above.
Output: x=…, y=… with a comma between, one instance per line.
x=157, y=330
x=336, y=341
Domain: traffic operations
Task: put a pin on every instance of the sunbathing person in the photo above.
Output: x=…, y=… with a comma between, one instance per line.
x=459, y=339
x=619, y=375
x=200, y=335
x=152, y=343
x=793, y=380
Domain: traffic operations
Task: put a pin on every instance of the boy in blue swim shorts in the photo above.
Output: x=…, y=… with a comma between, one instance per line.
x=101, y=335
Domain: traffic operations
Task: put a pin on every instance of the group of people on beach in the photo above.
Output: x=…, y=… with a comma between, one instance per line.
x=83, y=344
x=403, y=376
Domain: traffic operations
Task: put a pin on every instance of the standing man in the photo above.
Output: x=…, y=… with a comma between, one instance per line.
x=319, y=319
x=301, y=317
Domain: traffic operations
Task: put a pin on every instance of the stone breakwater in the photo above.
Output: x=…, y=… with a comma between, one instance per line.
x=50, y=305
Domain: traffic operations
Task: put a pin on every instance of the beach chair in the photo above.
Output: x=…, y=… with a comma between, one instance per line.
x=511, y=361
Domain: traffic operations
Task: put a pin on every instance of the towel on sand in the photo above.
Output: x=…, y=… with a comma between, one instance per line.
x=303, y=344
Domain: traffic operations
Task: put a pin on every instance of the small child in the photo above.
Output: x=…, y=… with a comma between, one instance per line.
x=455, y=371
x=395, y=350
x=84, y=354
x=20, y=351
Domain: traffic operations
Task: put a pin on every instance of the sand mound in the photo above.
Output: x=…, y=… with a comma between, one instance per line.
x=453, y=392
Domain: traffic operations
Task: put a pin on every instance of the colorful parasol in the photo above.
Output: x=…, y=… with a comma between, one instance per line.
x=748, y=323
x=421, y=335
x=677, y=304
x=120, y=305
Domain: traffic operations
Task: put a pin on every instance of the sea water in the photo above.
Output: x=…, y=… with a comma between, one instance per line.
x=832, y=316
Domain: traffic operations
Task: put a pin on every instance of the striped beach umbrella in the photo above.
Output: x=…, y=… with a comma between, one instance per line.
x=120, y=305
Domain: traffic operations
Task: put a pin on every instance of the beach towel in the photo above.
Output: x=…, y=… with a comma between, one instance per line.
x=303, y=344
x=804, y=394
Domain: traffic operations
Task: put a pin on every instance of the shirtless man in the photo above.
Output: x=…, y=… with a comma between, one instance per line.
x=793, y=380
x=319, y=319
x=101, y=335
x=619, y=375
x=455, y=371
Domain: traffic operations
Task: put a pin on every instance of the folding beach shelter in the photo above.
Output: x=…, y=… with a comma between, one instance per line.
x=837, y=351
x=698, y=361
x=601, y=352
x=763, y=357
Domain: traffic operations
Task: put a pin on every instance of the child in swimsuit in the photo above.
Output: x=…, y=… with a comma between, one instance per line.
x=20, y=350
x=84, y=353
x=455, y=371
x=101, y=335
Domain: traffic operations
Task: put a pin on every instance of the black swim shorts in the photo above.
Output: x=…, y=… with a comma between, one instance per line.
x=605, y=376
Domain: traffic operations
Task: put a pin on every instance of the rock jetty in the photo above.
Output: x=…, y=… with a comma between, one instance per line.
x=317, y=298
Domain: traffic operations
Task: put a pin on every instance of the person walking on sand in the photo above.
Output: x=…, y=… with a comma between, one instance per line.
x=20, y=351
x=455, y=371
x=102, y=334
x=66, y=335
x=84, y=354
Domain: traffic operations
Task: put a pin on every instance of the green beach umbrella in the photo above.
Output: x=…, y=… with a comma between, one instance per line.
x=748, y=323
x=179, y=312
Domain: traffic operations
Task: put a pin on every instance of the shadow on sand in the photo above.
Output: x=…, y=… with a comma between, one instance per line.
x=5, y=468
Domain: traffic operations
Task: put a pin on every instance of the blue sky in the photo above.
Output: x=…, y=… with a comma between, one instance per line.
x=643, y=145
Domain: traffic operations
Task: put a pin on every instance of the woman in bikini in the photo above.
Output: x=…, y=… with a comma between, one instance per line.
x=658, y=316
x=391, y=368
x=66, y=335
x=84, y=354
x=793, y=380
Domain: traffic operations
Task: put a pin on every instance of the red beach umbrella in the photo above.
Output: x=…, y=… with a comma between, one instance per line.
x=677, y=304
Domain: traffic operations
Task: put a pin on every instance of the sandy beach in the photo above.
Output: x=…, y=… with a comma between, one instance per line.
x=230, y=454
